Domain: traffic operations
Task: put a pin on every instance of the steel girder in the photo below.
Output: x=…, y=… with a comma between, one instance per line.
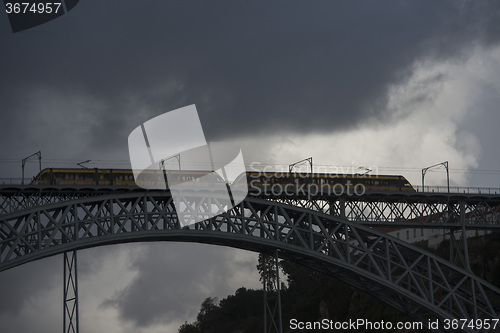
x=387, y=209
x=19, y=198
x=401, y=210
x=271, y=287
x=417, y=283
x=70, y=309
x=456, y=213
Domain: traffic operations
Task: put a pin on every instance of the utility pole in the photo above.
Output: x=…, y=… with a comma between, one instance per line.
x=310, y=161
x=80, y=164
x=445, y=164
x=32, y=156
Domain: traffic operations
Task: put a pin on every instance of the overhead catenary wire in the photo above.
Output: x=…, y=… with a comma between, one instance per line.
x=104, y=162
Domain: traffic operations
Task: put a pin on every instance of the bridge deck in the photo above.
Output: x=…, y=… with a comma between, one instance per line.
x=375, y=208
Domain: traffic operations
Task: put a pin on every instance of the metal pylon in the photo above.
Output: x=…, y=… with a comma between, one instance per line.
x=70, y=320
x=272, y=295
x=459, y=251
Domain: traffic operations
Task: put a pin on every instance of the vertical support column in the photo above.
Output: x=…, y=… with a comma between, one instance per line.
x=272, y=295
x=465, y=248
x=278, y=289
x=70, y=316
x=459, y=250
x=341, y=207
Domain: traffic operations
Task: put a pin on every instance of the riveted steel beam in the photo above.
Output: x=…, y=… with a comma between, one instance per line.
x=415, y=282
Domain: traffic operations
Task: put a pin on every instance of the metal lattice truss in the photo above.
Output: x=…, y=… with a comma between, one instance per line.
x=387, y=209
x=272, y=293
x=19, y=198
x=415, y=282
x=403, y=210
x=70, y=319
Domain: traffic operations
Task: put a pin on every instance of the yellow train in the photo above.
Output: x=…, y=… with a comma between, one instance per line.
x=266, y=181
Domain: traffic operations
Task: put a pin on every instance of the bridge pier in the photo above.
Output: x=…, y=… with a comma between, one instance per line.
x=70, y=315
x=39, y=222
x=459, y=250
x=272, y=293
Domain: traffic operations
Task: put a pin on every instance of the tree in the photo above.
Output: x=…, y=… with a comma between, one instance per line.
x=188, y=328
x=207, y=317
x=267, y=270
x=207, y=307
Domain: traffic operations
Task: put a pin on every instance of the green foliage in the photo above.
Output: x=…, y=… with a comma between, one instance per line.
x=240, y=313
x=312, y=296
x=207, y=317
x=484, y=256
x=188, y=328
x=266, y=268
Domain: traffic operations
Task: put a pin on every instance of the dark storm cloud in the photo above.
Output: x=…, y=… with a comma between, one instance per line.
x=78, y=85
x=251, y=67
x=18, y=286
x=173, y=279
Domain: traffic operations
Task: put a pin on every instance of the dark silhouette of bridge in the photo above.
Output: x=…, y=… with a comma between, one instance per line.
x=334, y=234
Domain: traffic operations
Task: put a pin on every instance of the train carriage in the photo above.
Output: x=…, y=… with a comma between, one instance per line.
x=73, y=176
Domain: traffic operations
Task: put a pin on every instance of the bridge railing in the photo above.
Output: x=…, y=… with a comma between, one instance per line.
x=418, y=188
x=15, y=181
x=457, y=189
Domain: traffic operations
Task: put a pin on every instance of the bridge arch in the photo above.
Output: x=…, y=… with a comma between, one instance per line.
x=413, y=281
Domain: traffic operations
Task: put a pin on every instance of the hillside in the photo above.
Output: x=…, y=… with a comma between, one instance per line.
x=311, y=296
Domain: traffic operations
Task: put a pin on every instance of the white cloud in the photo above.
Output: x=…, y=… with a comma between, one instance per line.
x=156, y=287
x=426, y=122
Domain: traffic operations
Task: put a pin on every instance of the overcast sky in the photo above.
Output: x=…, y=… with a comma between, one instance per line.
x=392, y=85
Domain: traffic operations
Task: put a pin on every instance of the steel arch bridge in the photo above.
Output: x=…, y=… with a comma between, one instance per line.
x=40, y=222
